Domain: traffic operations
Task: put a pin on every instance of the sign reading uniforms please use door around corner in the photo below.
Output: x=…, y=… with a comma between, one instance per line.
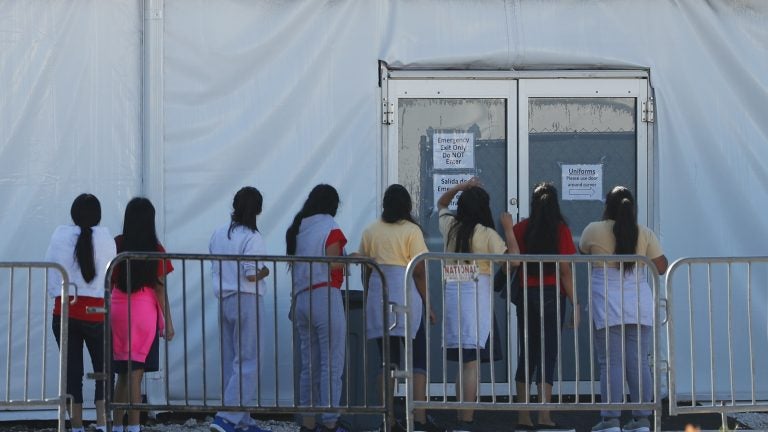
x=582, y=182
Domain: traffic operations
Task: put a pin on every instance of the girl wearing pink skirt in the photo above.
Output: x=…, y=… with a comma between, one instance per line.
x=137, y=307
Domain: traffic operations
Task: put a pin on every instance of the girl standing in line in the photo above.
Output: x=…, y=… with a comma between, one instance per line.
x=140, y=283
x=318, y=310
x=84, y=250
x=622, y=307
x=392, y=241
x=544, y=232
x=470, y=230
x=239, y=287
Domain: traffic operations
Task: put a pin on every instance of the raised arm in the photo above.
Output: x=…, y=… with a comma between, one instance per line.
x=446, y=198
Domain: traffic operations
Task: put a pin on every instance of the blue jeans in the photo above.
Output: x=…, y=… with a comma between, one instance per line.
x=612, y=370
x=321, y=324
x=240, y=346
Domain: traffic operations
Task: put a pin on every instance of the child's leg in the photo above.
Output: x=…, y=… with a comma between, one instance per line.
x=134, y=416
x=308, y=370
x=120, y=396
x=241, y=314
x=74, y=370
x=468, y=388
x=331, y=328
x=639, y=374
x=94, y=341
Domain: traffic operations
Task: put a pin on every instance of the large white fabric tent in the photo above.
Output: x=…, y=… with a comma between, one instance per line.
x=186, y=101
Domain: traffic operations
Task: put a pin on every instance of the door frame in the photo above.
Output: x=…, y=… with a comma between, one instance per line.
x=517, y=87
x=452, y=89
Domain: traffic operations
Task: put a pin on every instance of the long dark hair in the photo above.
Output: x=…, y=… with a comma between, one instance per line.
x=397, y=205
x=323, y=199
x=542, y=235
x=139, y=235
x=85, y=213
x=473, y=208
x=245, y=207
x=621, y=208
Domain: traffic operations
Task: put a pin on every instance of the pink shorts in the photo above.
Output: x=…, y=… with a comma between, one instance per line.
x=145, y=321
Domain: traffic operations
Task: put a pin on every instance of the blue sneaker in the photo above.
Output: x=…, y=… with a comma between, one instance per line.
x=221, y=425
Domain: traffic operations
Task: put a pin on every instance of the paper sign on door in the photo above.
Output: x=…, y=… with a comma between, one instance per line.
x=582, y=182
x=453, y=150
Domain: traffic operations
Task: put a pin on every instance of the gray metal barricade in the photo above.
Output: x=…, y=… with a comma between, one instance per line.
x=500, y=393
x=191, y=369
x=717, y=330
x=34, y=374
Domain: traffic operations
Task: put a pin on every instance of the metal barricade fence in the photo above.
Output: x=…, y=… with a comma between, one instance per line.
x=717, y=330
x=193, y=376
x=29, y=381
x=468, y=279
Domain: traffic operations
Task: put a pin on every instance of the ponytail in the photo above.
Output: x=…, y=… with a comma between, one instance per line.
x=84, y=254
x=620, y=207
x=245, y=207
x=86, y=213
x=291, y=233
x=542, y=234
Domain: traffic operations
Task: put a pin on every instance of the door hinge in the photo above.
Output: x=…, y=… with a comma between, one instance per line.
x=648, y=112
x=387, y=112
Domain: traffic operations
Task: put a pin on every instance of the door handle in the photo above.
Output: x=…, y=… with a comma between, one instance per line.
x=513, y=201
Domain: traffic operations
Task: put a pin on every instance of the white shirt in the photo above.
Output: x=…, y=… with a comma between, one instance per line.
x=61, y=250
x=226, y=275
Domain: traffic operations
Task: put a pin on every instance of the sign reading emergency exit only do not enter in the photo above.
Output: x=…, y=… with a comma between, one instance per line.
x=582, y=182
x=454, y=150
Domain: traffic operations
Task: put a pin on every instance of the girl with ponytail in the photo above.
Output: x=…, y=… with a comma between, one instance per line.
x=544, y=232
x=317, y=308
x=240, y=287
x=84, y=249
x=622, y=307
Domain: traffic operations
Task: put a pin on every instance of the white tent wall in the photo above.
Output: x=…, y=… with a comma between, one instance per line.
x=266, y=94
x=70, y=83
x=283, y=95
x=69, y=115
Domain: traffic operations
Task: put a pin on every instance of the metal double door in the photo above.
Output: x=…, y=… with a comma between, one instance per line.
x=584, y=134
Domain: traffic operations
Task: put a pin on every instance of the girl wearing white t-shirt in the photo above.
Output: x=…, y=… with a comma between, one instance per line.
x=240, y=286
x=84, y=249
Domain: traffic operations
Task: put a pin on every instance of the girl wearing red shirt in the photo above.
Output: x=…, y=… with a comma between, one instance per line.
x=545, y=232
